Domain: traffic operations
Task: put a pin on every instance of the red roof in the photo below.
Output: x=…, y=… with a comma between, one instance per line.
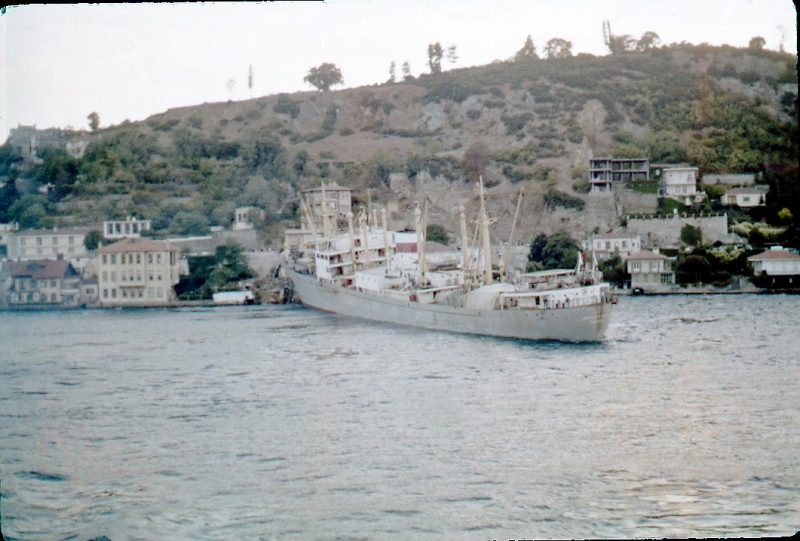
x=774, y=254
x=44, y=268
x=137, y=245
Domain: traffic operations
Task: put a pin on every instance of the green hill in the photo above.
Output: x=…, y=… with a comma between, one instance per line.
x=532, y=123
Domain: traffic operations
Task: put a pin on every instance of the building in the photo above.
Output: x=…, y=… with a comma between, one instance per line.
x=776, y=262
x=30, y=141
x=650, y=269
x=244, y=218
x=679, y=183
x=5, y=233
x=745, y=197
x=607, y=245
x=337, y=201
x=120, y=229
x=137, y=272
x=604, y=171
x=34, y=244
x=43, y=282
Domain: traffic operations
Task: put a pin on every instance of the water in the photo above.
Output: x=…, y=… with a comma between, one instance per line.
x=276, y=422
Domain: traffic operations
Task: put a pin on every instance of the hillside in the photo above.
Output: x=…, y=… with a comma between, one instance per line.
x=530, y=124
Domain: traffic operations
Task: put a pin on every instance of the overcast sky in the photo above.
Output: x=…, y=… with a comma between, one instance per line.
x=130, y=61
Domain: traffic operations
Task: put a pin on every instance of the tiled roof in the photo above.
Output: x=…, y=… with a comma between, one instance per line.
x=773, y=255
x=610, y=236
x=137, y=245
x=45, y=268
x=646, y=254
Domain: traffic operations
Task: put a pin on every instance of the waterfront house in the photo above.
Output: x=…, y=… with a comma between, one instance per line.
x=607, y=245
x=137, y=272
x=744, y=197
x=776, y=262
x=651, y=269
x=44, y=282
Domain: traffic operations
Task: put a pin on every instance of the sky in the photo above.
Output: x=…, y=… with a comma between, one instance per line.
x=59, y=63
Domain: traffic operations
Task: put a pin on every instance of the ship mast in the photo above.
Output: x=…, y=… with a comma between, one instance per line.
x=487, y=247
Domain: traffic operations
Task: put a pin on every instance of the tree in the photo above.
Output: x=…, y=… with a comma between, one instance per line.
x=436, y=233
x=558, y=48
x=528, y=51
x=557, y=251
x=435, y=57
x=693, y=269
x=648, y=41
x=757, y=43
x=92, y=240
x=475, y=160
x=230, y=84
x=94, y=121
x=451, y=54
x=391, y=72
x=250, y=80
x=693, y=236
x=406, y=71
x=324, y=76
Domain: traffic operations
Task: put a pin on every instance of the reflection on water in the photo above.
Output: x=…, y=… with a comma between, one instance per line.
x=279, y=422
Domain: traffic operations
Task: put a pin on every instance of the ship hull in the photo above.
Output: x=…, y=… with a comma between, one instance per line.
x=579, y=324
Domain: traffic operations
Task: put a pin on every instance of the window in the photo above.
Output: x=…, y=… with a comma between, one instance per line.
x=55, y=241
x=33, y=284
x=149, y=258
x=138, y=259
x=113, y=293
x=113, y=276
x=105, y=293
x=159, y=277
x=42, y=283
x=52, y=283
x=149, y=292
x=160, y=292
x=72, y=240
x=105, y=259
x=38, y=241
x=113, y=259
x=124, y=277
x=53, y=297
x=158, y=258
x=110, y=229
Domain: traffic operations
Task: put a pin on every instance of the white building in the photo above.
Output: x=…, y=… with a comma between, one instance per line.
x=650, y=269
x=745, y=197
x=244, y=218
x=67, y=243
x=679, y=182
x=5, y=231
x=137, y=272
x=120, y=229
x=606, y=245
x=776, y=262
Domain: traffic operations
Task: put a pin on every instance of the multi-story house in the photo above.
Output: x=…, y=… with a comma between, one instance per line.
x=650, y=269
x=43, y=282
x=67, y=243
x=137, y=272
x=604, y=171
x=679, y=182
x=606, y=245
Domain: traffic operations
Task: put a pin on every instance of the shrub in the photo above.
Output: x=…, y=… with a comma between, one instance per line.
x=554, y=198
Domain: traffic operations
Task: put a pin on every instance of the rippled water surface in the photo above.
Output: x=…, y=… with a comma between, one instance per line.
x=277, y=422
